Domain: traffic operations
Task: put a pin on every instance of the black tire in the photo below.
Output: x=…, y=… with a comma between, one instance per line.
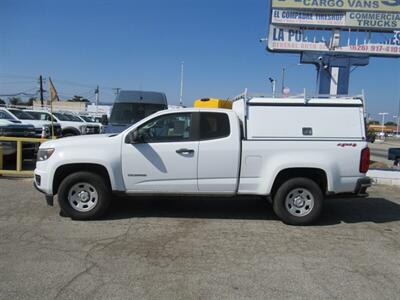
x=304, y=212
x=95, y=188
x=63, y=214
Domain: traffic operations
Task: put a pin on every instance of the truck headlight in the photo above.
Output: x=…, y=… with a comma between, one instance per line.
x=46, y=131
x=44, y=154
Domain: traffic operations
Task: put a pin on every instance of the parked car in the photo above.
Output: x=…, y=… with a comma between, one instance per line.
x=89, y=120
x=43, y=128
x=217, y=152
x=12, y=128
x=69, y=126
x=394, y=154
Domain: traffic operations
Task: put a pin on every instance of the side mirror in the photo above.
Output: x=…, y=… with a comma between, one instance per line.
x=134, y=138
x=104, y=120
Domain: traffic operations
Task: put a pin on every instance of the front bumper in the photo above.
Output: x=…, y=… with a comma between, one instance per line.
x=49, y=198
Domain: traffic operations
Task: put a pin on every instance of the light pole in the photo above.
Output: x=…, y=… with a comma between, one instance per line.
x=181, y=90
x=398, y=121
x=284, y=75
x=273, y=82
x=397, y=118
x=383, y=114
x=97, y=91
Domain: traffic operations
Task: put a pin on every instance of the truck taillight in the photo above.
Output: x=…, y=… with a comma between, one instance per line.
x=365, y=160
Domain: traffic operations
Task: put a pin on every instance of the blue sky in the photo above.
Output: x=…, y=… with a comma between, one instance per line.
x=140, y=44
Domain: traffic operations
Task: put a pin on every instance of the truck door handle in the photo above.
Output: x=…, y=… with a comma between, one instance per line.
x=185, y=151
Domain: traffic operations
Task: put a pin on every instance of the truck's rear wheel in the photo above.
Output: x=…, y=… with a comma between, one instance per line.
x=83, y=196
x=298, y=201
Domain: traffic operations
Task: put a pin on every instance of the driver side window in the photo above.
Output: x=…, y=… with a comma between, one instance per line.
x=169, y=128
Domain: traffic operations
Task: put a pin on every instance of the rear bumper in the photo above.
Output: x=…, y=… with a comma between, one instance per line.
x=360, y=190
x=362, y=185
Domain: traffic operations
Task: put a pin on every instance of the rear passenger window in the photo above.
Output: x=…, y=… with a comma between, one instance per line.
x=214, y=126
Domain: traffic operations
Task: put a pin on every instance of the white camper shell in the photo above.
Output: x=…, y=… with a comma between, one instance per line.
x=300, y=119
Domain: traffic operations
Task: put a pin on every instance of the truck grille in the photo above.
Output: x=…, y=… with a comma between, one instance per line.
x=91, y=129
x=18, y=132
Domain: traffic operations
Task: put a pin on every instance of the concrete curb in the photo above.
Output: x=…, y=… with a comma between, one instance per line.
x=386, y=177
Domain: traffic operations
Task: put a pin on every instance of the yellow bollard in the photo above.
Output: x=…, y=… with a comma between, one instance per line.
x=19, y=156
x=19, y=163
x=1, y=157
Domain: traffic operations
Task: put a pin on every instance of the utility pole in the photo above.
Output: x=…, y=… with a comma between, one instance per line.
x=96, y=91
x=41, y=89
x=181, y=93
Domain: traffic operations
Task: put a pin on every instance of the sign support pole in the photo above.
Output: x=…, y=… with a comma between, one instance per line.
x=333, y=70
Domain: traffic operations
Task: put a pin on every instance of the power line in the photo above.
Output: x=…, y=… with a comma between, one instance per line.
x=16, y=82
x=17, y=76
x=67, y=82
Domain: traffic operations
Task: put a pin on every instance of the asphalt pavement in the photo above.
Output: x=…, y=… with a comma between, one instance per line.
x=198, y=248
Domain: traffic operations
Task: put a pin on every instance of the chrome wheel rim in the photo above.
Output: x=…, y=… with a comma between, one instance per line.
x=83, y=197
x=299, y=202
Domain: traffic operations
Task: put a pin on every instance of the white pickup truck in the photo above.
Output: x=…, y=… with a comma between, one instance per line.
x=70, y=125
x=42, y=127
x=294, y=152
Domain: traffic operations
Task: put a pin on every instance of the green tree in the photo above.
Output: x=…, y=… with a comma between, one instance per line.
x=2, y=102
x=390, y=124
x=373, y=122
x=15, y=100
x=30, y=101
x=78, y=99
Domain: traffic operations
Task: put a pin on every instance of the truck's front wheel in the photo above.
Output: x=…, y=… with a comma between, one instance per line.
x=83, y=196
x=298, y=201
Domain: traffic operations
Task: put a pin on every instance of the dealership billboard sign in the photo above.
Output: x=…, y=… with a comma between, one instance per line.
x=335, y=35
x=378, y=21
x=287, y=39
x=336, y=26
x=340, y=5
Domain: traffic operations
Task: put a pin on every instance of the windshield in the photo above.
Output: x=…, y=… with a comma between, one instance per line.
x=22, y=115
x=87, y=119
x=42, y=116
x=130, y=113
x=73, y=118
x=5, y=115
x=62, y=117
